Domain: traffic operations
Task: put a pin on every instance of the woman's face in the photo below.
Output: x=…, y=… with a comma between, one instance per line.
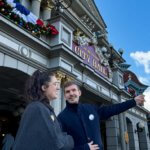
x=51, y=91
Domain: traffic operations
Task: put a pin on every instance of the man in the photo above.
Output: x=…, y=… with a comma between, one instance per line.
x=82, y=121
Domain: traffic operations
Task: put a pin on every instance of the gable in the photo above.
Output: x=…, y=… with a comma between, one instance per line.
x=92, y=8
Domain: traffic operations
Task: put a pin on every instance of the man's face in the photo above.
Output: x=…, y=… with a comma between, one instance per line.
x=72, y=94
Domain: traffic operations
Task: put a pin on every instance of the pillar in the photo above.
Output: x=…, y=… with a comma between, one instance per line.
x=35, y=7
x=46, y=13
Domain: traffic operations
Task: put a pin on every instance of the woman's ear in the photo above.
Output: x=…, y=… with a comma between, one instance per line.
x=43, y=88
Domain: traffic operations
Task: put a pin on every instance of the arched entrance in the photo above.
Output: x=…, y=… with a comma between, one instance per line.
x=142, y=136
x=130, y=134
x=12, y=103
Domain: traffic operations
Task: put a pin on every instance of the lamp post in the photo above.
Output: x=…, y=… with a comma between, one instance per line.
x=115, y=58
x=121, y=51
x=140, y=127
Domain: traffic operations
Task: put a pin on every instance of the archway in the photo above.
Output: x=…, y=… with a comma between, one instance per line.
x=142, y=136
x=130, y=134
x=12, y=103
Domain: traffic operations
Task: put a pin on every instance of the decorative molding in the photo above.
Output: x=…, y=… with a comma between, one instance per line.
x=91, y=83
x=47, y=4
x=62, y=77
x=105, y=91
x=88, y=22
x=9, y=43
x=80, y=38
x=79, y=75
x=66, y=36
x=9, y=61
x=101, y=52
x=38, y=58
x=66, y=79
x=66, y=65
x=25, y=51
x=12, y=45
x=114, y=96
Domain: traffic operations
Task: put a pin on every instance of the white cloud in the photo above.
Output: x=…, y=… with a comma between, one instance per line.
x=147, y=99
x=144, y=80
x=146, y=92
x=142, y=58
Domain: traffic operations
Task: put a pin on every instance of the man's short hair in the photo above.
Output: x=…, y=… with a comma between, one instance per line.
x=69, y=83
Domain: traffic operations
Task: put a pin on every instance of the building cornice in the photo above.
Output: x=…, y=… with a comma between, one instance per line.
x=101, y=26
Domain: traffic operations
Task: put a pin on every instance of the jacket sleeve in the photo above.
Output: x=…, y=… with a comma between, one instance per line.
x=107, y=111
x=69, y=141
x=36, y=124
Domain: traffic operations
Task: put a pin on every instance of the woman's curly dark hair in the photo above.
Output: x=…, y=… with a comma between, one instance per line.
x=33, y=88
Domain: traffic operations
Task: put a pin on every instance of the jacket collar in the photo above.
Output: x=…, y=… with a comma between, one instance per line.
x=73, y=107
x=46, y=102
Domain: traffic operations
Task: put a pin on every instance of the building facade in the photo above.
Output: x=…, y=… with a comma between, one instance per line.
x=79, y=51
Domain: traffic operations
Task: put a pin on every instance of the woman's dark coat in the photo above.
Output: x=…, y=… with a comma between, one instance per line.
x=40, y=130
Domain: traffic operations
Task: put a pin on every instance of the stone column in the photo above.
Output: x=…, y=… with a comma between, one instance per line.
x=143, y=140
x=122, y=131
x=112, y=131
x=63, y=102
x=56, y=104
x=46, y=13
x=35, y=7
x=60, y=103
x=24, y=3
x=131, y=136
x=47, y=6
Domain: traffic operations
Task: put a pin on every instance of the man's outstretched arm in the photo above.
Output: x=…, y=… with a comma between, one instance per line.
x=107, y=111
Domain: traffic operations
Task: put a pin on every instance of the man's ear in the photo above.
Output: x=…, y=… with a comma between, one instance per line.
x=80, y=92
x=64, y=94
x=43, y=88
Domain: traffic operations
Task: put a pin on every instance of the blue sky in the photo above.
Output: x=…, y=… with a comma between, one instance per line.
x=128, y=26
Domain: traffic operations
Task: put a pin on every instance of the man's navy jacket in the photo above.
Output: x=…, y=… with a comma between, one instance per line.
x=82, y=121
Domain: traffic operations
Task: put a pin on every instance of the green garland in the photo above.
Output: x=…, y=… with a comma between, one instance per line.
x=35, y=29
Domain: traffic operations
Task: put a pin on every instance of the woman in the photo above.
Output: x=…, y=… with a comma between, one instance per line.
x=39, y=128
x=8, y=141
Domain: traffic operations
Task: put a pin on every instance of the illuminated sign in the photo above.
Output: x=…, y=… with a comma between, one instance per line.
x=90, y=58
